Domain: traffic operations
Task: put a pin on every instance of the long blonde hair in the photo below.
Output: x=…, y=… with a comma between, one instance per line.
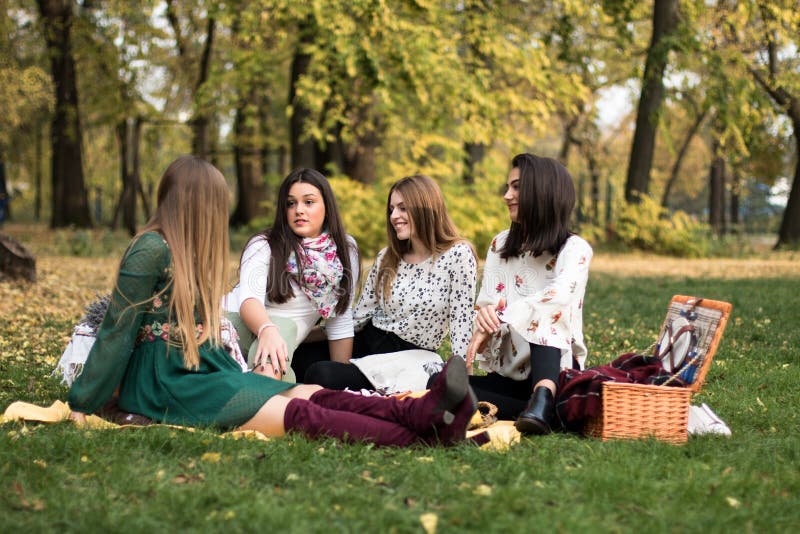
x=192, y=216
x=430, y=224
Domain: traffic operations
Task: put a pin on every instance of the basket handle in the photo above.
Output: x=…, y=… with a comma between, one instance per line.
x=691, y=315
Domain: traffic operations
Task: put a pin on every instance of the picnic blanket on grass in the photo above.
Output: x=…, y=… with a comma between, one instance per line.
x=502, y=434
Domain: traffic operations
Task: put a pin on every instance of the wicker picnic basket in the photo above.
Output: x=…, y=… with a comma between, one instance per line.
x=638, y=411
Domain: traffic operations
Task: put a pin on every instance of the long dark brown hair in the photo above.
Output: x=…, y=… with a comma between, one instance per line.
x=546, y=201
x=283, y=241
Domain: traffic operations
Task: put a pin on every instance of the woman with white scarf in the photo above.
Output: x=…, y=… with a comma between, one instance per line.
x=301, y=270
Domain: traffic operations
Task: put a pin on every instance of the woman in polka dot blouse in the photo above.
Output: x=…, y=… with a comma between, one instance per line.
x=420, y=289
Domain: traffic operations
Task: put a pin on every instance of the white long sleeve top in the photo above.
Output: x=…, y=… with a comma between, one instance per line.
x=544, y=305
x=253, y=281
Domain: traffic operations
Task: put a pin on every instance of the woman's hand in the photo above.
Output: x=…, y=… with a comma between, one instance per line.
x=487, y=320
x=271, y=356
x=78, y=417
x=476, y=344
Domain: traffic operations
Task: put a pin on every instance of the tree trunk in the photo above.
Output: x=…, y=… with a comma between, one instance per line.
x=360, y=160
x=359, y=157
x=269, y=156
x=473, y=155
x=128, y=137
x=332, y=153
x=609, y=203
x=136, y=167
x=303, y=148
x=568, y=139
x=200, y=141
x=594, y=188
x=200, y=122
x=38, y=173
x=665, y=21
x=128, y=196
x=4, y=200
x=716, y=193
x=248, y=163
x=789, y=232
x=15, y=260
x=70, y=201
x=676, y=167
x=736, y=188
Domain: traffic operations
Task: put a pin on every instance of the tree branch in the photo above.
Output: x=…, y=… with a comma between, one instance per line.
x=172, y=17
x=205, y=60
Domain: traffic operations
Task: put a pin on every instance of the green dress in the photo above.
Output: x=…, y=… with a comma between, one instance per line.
x=133, y=350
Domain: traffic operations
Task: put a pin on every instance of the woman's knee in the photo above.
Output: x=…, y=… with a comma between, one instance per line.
x=269, y=418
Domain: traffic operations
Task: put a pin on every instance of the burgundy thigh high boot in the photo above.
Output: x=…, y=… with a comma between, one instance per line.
x=316, y=421
x=441, y=415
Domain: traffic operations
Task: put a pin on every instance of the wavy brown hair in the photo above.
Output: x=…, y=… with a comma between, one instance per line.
x=430, y=224
x=192, y=216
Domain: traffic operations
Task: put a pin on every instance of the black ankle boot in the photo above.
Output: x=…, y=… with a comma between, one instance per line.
x=537, y=418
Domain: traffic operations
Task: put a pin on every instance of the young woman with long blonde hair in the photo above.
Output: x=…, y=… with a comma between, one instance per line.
x=159, y=342
x=420, y=288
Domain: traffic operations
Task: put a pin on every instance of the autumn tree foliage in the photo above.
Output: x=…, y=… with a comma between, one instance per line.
x=372, y=91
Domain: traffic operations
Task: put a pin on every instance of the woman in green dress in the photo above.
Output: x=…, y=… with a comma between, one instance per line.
x=159, y=342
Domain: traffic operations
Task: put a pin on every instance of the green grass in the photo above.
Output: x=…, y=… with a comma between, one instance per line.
x=61, y=478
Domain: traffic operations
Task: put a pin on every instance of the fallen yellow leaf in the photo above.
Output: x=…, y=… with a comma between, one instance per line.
x=483, y=490
x=429, y=522
x=211, y=457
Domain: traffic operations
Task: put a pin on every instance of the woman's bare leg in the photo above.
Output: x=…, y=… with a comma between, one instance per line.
x=269, y=418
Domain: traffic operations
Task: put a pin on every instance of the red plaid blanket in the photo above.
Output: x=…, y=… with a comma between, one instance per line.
x=579, y=391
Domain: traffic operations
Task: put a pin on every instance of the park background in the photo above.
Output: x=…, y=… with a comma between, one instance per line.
x=679, y=121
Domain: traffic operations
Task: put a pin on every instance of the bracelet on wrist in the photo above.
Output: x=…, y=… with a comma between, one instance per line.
x=264, y=327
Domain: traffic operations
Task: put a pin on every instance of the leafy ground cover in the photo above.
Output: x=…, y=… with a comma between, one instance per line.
x=62, y=478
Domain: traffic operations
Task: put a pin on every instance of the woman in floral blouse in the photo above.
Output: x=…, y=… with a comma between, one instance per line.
x=529, y=324
x=420, y=288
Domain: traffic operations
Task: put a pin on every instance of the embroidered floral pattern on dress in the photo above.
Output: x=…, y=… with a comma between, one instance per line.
x=156, y=330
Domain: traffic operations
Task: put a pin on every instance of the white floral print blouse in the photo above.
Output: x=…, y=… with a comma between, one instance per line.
x=544, y=305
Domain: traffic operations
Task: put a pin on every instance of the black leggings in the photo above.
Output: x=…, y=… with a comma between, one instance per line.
x=336, y=375
x=509, y=395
